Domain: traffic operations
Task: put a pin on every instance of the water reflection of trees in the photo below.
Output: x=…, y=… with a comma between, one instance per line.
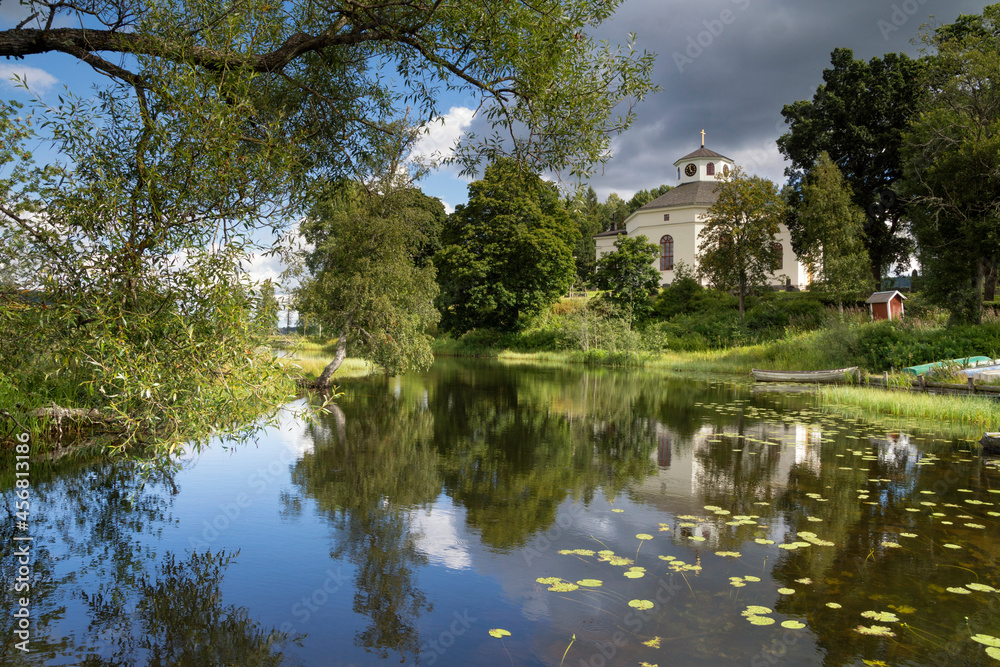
x=102, y=515
x=367, y=472
x=181, y=620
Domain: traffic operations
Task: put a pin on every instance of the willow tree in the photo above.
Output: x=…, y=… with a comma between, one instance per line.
x=737, y=249
x=364, y=279
x=208, y=124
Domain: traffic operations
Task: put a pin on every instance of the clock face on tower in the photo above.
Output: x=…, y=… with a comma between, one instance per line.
x=690, y=170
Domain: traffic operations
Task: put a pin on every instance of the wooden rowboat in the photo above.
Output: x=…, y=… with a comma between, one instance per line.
x=834, y=375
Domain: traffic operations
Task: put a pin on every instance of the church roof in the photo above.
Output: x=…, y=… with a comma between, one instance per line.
x=697, y=193
x=610, y=232
x=703, y=152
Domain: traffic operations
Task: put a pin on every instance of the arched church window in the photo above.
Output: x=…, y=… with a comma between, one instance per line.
x=710, y=169
x=667, y=253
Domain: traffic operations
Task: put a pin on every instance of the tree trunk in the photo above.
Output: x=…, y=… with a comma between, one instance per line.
x=338, y=358
x=980, y=280
x=990, y=290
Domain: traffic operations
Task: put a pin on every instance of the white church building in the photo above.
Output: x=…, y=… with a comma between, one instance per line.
x=674, y=220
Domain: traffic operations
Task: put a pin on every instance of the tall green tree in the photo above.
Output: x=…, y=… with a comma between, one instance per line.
x=953, y=164
x=737, y=249
x=209, y=124
x=507, y=253
x=363, y=280
x=628, y=275
x=266, y=312
x=831, y=233
x=857, y=116
x=588, y=213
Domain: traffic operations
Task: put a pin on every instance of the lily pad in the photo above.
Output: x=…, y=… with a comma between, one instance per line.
x=959, y=590
x=881, y=616
x=499, y=632
x=760, y=620
x=878, y=630
x=982, y=588
x=987, y=640
x=592, y=583
x=793, y=625
x=640, y=604
x=644, y=536
x=756, y=610
x=834, y=605
x=786, y=591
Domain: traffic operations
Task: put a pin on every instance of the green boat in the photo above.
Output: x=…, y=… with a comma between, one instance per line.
x=964, y=362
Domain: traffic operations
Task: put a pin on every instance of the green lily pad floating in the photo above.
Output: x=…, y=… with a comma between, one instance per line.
x=756, y=610
x=640, y=604
x=667, y=558
x=891, y=545
x=751, y=578
x=982, y=588
x=697, y=538
x=760, y=620
x=499, y=633
x=591, y=583
x=761, y=540
x=786, y=591
x=951, y=546
x=959, y=590
x=793, y=625
x=993, y=652
x=548, y=581
x=576, y=552
x=907, y=534
x=635, y=574
x=804, y=580
x=729, y=554
x=644, y=536
x=563, y=587
x=987, y=640
x=881, y=616
x=789, y=547
x=617, y=511
x=877, y=630
x=974, y=525
x=834, y=605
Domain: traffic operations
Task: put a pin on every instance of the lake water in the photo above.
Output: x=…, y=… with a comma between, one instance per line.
x=422, y=512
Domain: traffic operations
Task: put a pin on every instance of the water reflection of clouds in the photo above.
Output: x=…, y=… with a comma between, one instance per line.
x=437, y=530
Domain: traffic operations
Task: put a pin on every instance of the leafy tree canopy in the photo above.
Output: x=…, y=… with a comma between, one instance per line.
x=953, y=164
x=364, y=280
x=831, y=233
x=628, y=275
x=507, y=253
x=857, y=116
x=737, y=248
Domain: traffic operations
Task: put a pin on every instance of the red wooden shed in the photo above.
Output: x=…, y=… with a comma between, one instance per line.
x=886, y=305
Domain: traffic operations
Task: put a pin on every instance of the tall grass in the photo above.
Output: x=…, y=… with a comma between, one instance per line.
x=311, y=369
x=972, y=411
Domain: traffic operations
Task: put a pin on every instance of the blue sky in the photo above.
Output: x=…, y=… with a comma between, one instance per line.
x=725, y=66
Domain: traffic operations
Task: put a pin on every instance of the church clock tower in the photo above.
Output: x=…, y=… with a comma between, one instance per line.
x=702, y=165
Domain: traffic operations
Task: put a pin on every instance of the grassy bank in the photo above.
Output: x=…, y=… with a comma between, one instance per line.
x=973, y=413
x=311, y=369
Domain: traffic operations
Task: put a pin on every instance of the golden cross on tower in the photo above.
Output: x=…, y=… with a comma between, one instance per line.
x=703, y=138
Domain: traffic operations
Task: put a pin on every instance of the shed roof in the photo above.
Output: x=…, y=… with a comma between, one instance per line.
x=884, y=297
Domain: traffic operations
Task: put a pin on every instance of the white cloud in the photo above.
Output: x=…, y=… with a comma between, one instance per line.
x=38, y=79
x=442, y=133
x=439, y=538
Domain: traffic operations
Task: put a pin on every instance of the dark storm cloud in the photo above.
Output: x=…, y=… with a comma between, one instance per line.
x=729, y=66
